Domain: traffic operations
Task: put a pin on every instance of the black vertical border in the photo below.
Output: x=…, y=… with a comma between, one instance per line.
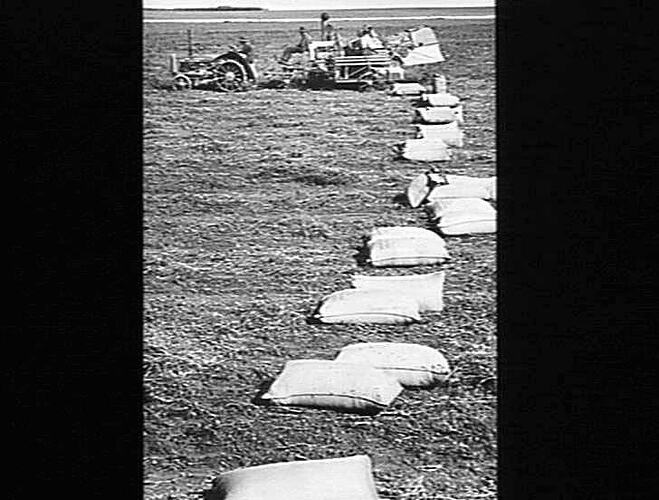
x=72, y=327
x=576, y=249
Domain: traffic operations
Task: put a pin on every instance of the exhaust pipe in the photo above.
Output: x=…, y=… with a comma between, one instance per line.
x=173, y=64
x=324, y=17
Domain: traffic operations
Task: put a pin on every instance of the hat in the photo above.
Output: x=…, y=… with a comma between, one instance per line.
x=242, y=39
x=302, y=28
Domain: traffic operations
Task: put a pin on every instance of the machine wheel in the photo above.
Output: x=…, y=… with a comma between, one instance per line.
x=380, y=83
x=366, y=86
x=182, y=82
x=230, y=76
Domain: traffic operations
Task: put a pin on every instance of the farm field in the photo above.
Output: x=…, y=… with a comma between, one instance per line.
x=255, y=205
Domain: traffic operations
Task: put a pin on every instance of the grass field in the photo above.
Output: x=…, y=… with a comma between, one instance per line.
x=254, y=208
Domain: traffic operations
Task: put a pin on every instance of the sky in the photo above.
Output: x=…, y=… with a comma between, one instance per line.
x=315, y=4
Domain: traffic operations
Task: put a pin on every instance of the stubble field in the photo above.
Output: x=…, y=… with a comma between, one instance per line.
x=254, y=208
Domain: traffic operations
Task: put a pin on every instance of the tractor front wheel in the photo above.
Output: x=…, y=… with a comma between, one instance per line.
x=182, y=82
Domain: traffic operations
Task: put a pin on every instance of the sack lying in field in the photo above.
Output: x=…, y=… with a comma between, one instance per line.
x=443, y=99
x=425, y=150
x=426, y=289
x=413, y=365
x=410, y=88
x=449, y=133
x=463, y=216
x=418, y=190
x=348, y=478
x=332, y=385
x=440, y=114
x=405, y=246
x=462, y=186
x=354, y=306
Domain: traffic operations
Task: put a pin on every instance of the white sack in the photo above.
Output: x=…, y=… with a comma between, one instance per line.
x=427, y=54
x=425, y=150
x=405, y=246
x=462, y=186
x=408, y=89
x=333, y=385
x=449, y=133
x=354, y=306
x=417, y=191
x=425, y=48
x=348, y=478
x=456, y=216
x=423, y=36
x=413, y=365
x=443, y=99
x=426, y=289
x=440, y=114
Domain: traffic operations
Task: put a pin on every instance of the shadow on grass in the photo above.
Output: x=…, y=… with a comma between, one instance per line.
x=326, y=177
x=261, y=390
x=216, y=492
x=313, y=320
x=401, y=199
x=362, y=255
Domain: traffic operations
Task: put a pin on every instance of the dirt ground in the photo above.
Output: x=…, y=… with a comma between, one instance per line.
x=255, y=204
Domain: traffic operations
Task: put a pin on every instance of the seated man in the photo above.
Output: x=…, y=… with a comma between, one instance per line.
x=301, y=47
x=376, y=38
x=332, y=35
x=245, y=49
x=354, y=46
x=370, y=40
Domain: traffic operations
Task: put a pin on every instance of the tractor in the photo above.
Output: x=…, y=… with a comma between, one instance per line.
x=227, y=72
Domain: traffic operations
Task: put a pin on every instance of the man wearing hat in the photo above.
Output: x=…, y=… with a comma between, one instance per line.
x=302, y=46
x=245, y=49
x=369, y=40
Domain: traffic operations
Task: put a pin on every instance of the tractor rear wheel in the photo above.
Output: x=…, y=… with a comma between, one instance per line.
x=230, y=76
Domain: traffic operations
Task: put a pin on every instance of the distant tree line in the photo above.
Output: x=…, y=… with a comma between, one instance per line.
x=221, y=7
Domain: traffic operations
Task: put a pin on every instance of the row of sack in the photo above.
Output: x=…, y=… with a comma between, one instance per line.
x=456, y=204
x=437, y=119
x=391, y=299
x=364, y=378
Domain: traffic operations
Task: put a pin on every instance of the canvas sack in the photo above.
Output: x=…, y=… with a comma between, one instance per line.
x=346, y=478
x=460, y=216
x=399, y=246
x=427, y=289
x=367, y=306
x=413, y=365
x=333, y=385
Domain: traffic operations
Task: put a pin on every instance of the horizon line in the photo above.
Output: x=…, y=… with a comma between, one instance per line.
x=294, y=10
